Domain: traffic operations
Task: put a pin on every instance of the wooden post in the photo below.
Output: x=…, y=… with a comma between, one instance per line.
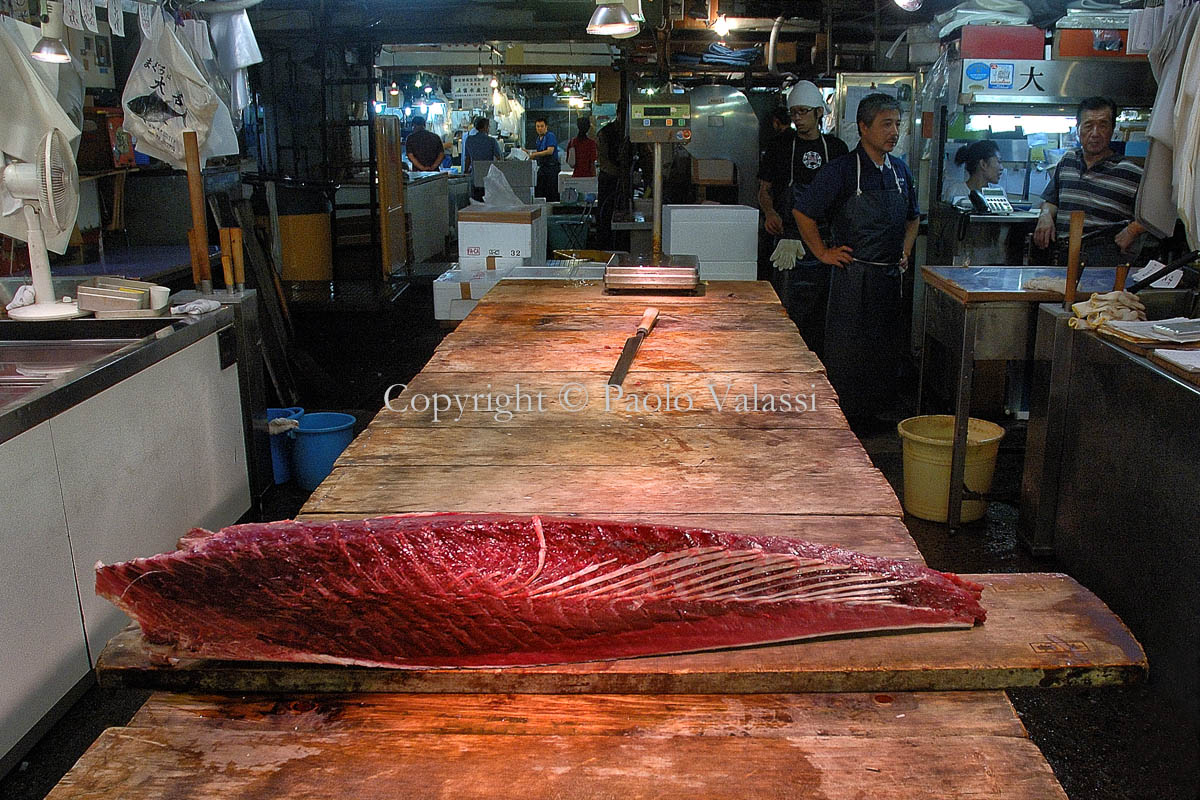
x=1122, y=274
x=239, y=259
x=1073, y=267
x=227, y=257
x=198, y=240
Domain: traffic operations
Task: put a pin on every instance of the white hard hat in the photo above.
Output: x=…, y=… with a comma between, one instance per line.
x=806, y=94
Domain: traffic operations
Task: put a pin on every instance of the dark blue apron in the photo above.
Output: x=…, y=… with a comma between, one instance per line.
x=862, y=331
x=804, y=289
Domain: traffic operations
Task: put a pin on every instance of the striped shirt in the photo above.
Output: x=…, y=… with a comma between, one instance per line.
x=1105, y=192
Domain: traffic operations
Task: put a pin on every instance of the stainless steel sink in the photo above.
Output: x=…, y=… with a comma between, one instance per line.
x=27, y=365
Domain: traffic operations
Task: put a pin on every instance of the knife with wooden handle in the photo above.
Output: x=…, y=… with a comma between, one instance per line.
x=631, y=347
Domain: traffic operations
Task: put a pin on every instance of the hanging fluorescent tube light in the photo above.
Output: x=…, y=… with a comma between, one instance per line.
x=50, y=47
x=612, y=19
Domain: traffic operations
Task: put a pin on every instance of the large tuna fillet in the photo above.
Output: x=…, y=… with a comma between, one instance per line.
x=493, y=590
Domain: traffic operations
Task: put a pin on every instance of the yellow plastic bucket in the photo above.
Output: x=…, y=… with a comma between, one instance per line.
x=928, y=443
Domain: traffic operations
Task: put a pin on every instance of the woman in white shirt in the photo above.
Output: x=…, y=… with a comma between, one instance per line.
x=981, y=161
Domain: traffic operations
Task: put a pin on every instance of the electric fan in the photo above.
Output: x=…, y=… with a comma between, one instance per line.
x=49, y=192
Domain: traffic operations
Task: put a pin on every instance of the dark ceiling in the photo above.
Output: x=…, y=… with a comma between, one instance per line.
x=473, y=21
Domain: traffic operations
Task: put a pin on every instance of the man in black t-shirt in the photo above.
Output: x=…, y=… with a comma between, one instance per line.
x=424, y=147
x=789, y=164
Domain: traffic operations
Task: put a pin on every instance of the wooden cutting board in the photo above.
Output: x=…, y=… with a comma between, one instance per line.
x=1042, y=630
x=802, y=747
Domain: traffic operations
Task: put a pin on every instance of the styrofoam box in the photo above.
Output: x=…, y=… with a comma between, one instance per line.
x=711, y=232
x=729, y=270
x=456, y=291
x=590, y=271
x=489, y=262
x=584, y=186
x=518, y=232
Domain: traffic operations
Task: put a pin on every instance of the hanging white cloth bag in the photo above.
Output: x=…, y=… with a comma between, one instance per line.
x=165, y=95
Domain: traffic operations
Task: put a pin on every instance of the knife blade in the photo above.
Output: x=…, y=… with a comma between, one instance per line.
x=631, y=347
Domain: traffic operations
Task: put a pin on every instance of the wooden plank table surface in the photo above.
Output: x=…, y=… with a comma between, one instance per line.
x=832, y=747
x=748, y=468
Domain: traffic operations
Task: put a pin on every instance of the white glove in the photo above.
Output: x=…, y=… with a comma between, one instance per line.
x=787, y=252
x=24, y=296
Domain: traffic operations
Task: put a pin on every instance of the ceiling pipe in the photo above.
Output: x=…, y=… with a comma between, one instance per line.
x=221, y=6
x=772, y=67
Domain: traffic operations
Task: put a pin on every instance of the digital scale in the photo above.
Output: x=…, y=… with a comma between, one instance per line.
x=651, y=273
x=666, y=118
x=658, y=117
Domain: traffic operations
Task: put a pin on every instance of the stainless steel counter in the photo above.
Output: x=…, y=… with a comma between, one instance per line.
x=1128, y=520
x=127, y=434
x=95, y=355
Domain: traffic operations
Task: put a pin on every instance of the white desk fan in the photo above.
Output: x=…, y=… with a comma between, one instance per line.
x=49, y=191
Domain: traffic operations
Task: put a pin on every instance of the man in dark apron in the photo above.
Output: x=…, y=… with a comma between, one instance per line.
x=870, y=199
x=789, y=164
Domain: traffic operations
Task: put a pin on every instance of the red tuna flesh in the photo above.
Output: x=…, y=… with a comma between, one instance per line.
x=470, y=590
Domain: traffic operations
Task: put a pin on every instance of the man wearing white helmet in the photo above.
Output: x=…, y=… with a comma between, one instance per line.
x=789, y=164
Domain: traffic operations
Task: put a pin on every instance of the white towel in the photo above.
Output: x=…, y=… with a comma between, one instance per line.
x=200, y=306
x=24, y=296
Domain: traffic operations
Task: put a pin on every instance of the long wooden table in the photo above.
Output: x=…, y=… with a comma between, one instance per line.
x=725, y=724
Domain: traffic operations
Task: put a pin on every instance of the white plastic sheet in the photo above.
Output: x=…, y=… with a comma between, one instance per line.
x=497, y=193
x=236, y=49
x=28, y=95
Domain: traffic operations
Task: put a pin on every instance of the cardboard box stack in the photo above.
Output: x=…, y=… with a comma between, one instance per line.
x=491, y=242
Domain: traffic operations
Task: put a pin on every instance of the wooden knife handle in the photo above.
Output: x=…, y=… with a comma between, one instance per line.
x=1122, y=275
x=1074, y=242
x=195, y=179
x=239, y=256
x=648, y=320
x=226, y=257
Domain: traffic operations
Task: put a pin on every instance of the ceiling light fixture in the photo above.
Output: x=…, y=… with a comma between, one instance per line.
x=612, y=19
x=50, y=47
x=394, y=89
x=721, y=26
x=909, y=5
x=495, y=83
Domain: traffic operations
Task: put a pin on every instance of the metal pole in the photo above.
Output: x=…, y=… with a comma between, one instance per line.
x=828, y=38
x=656, y=233
x=875, y=50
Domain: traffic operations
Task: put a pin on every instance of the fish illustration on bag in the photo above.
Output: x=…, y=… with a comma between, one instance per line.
x=154, y=110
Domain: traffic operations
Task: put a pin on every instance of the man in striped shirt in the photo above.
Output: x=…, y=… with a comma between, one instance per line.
x=1097, y=181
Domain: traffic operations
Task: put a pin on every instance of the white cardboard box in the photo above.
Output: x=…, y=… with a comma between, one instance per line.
x=518, y=232
x=711, y=232
x=456, y=290
x=729, y=270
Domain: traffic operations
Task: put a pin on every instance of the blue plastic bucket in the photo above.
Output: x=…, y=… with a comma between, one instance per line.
x=281, y=445
x=319, y=440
